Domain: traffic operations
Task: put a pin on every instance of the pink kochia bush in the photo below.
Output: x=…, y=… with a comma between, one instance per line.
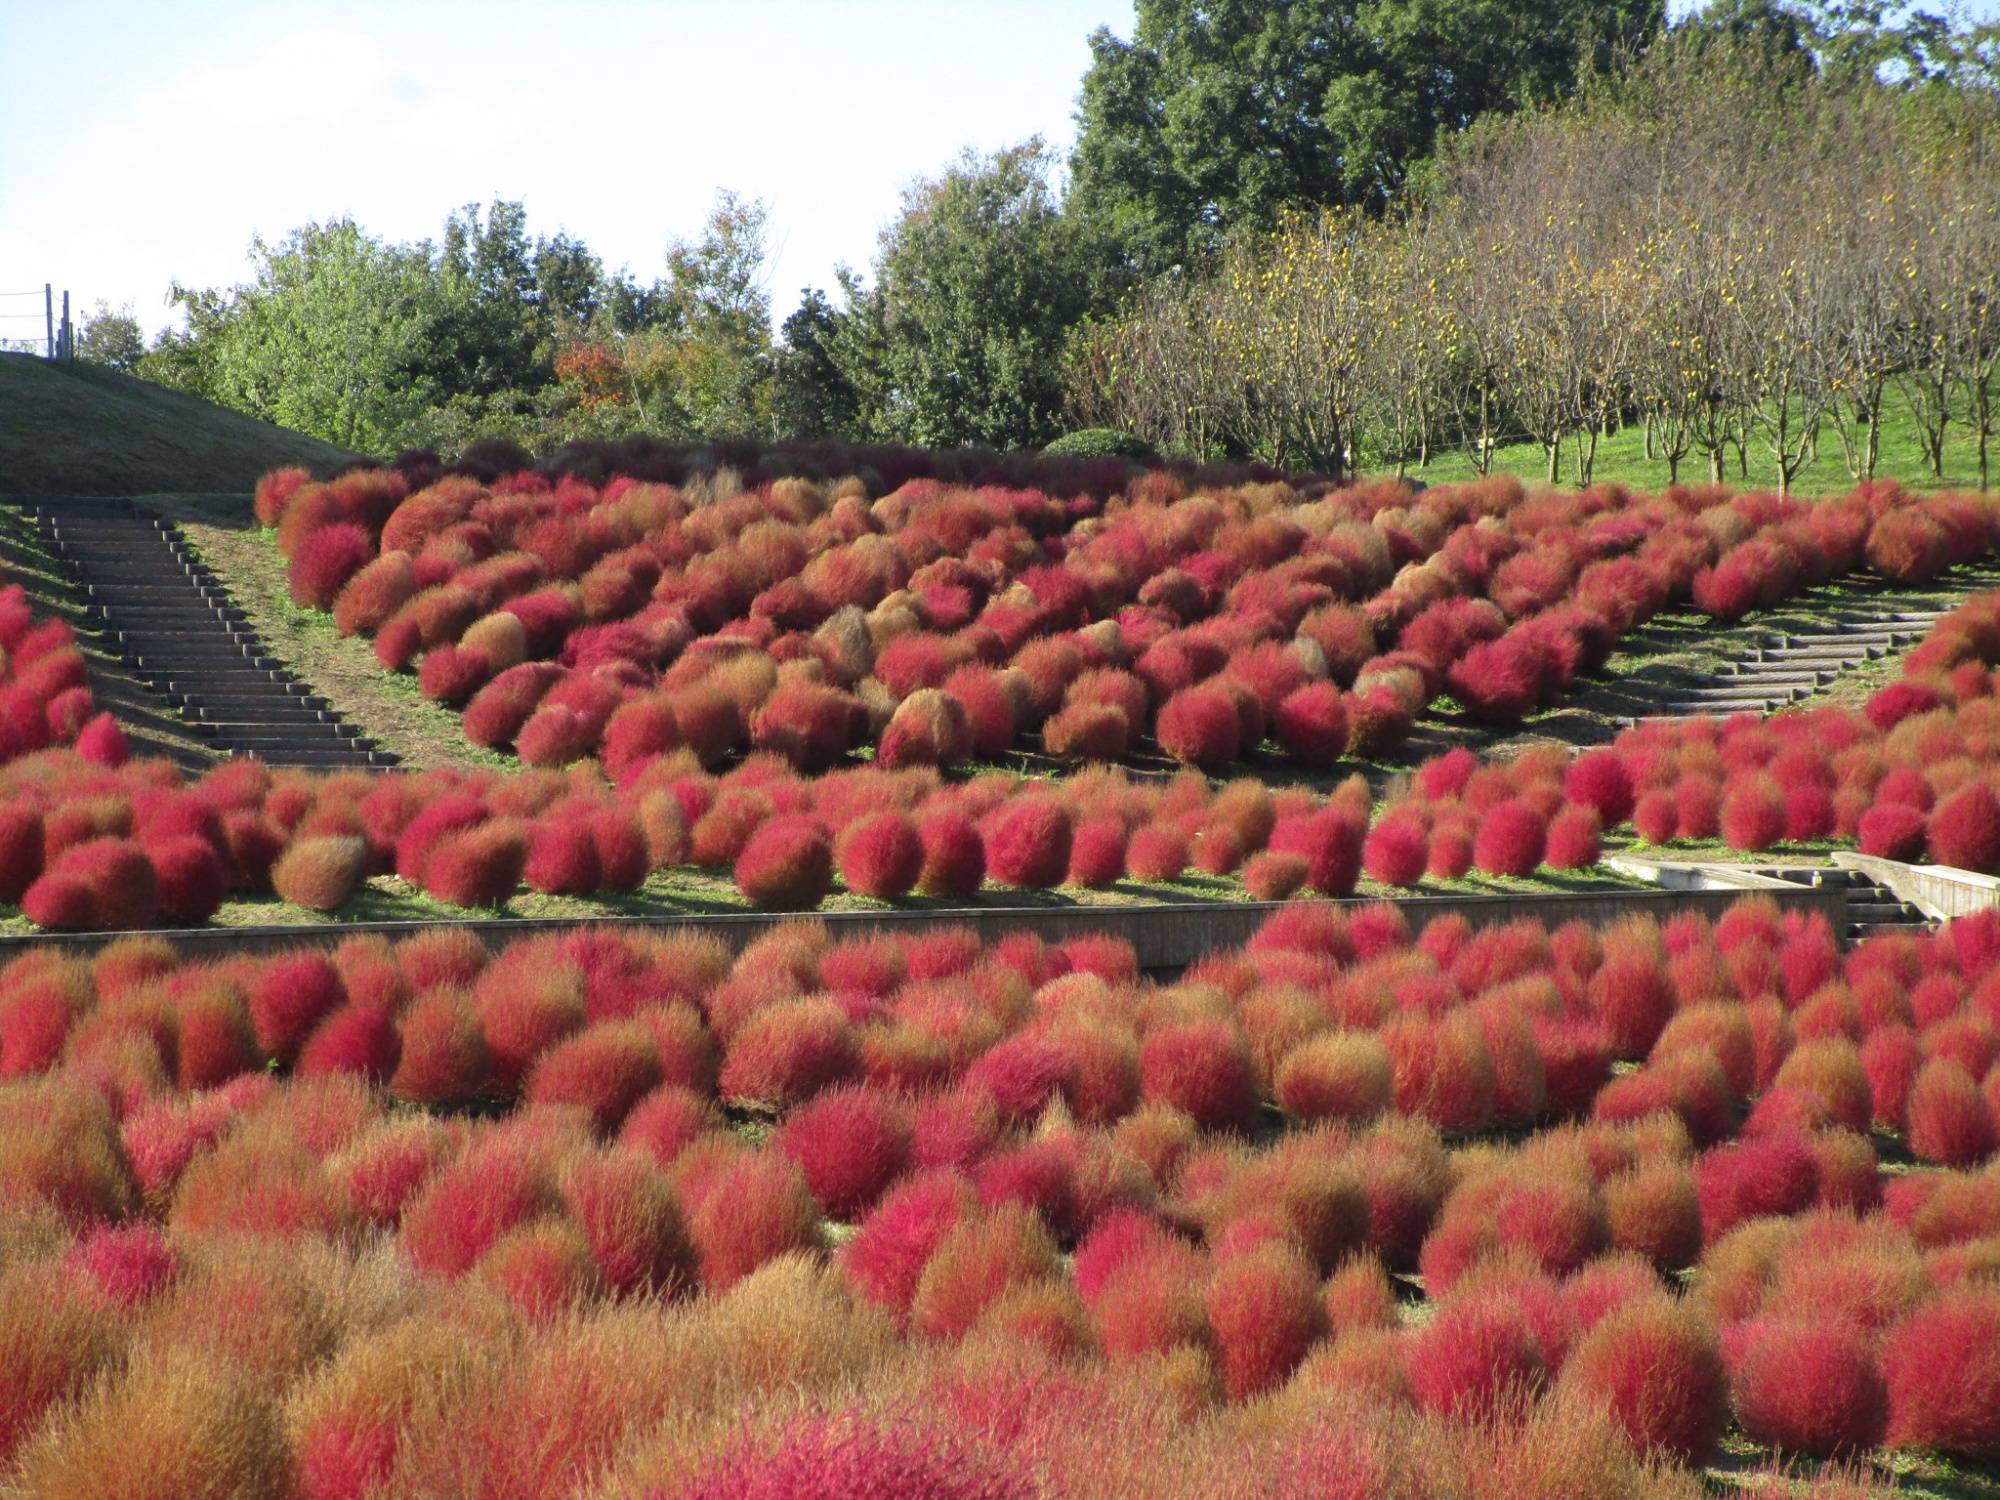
x=675, y=786
x=938, y=612
x=418, y=1194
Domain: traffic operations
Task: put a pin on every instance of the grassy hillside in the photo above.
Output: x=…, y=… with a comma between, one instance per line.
x=74, y=429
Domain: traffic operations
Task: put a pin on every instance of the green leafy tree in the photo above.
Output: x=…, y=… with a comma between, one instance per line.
x=699, y=362
x=1219, y=115
x=111, y=338
x=337, y=334
x=977, y=286
x=812, y=398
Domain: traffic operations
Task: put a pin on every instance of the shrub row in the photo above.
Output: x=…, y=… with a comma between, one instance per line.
x=317, y=1276
x=1914, y=774
x=938, y=623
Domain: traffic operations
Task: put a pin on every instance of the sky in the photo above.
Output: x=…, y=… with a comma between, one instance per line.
x=142, y=143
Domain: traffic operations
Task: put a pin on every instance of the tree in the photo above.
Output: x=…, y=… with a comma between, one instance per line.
x=812, y=398
x=1218, y=115
x=977, y=286
x=338, y=334
x=112, y=339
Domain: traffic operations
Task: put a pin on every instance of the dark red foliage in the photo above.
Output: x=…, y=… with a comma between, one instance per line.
x=1810, y=1387
x=1775, y=1173
x=1474, y=1358
x=1964, y=830
x=324, y=561
x=1397, y=850
x=1511, y=839
x=1199, y=725
x=1598, y=779
x=358, y=1039
x=1893, y=830
x=1312, y=724
x=881, y=855
x=1203, y=1068
x=1028, y=843
x=787, y=865
x=851, y=1143
x=954, y=854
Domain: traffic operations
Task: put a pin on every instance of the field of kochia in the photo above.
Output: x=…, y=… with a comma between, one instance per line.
x=610, y=1214
x=90, y=840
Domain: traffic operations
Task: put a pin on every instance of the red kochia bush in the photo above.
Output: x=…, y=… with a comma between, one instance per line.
x=886, y=1259
x=479, y=867
x=1893, y=830
x=1776, y=1173
x=1573, y=842
x=882, y=855
x=1200, y=725
x=324, y=561
x=787, y=865
x=1474, y=1358
x=846, y=1458
x=1028, y=843
x=1810, y=1387
x=788, y=1052
x=1753, y=813
x=291, y=995
x=604, y=1070
x=1949, y=1120
x=1511, y=840
x=193, y=879
x=1599, y=780
x=357, y=1039
x=1964, y=830
x=1942, y=1365
x=106, y=885
x=752, y=1207
x=954, y=854
x=1312, y=724
x=1397, y=850
x=851, y=1143
x=1657, y=1369
x=1266, y=1312
x=1203, y=1068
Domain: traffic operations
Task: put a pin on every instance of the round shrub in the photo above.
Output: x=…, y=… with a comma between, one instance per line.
x=324, y=561
x=1656, y=1367
x=882, y=855
x=787, y=865
x=1028, y=844
x=1893, y=830
x=1200, y=726
x=1810, y=1387
x=1312, y=724
x=1511, y=839
x=1964, y=830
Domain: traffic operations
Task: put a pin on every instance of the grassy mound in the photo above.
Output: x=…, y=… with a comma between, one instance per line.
x=74, y=429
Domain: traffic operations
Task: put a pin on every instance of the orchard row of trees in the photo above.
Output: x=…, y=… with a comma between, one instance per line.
x=1267, y=241
x=1740, y=250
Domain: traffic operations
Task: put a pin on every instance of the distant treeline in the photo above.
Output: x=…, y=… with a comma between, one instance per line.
x=1237, y=169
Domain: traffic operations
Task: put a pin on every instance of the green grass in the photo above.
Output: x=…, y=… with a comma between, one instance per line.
x=1621, y=459
x=77, y=429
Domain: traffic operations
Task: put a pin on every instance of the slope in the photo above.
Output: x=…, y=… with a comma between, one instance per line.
x=75, y=429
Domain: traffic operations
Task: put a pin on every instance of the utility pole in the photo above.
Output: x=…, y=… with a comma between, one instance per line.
x=68, y=346
x=49, y=315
